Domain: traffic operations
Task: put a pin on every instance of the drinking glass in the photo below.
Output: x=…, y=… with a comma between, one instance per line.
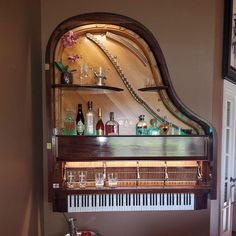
x=83, y=72
x=112, y=180
x=82, y=177
x=99, y=180
x=70, y=178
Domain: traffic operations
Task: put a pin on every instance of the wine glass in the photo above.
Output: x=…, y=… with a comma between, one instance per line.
x=83, y=72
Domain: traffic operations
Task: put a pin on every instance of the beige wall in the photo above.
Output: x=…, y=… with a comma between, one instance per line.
x=186, y=32
x=20, y=135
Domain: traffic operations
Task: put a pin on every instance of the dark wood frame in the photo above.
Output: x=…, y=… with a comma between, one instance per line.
x=228, y=71
x=58, y=196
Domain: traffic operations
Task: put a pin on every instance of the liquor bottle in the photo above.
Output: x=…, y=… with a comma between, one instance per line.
x=164, y=127
x=89, y=130
x=153, y=129
x=141, y=126
x=69, y=124
x=112, y=126
x=100, y=125
x=80, y=120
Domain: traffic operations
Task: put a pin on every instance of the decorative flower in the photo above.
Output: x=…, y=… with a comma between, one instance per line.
x=68, y=39
x=73, y=58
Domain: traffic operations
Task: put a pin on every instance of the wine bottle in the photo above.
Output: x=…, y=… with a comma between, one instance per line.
x=90, y=120
x=112, y=126
x=80, y=120
x=100, y=124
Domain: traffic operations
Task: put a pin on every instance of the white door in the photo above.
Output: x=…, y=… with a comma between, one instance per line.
x=228, y=162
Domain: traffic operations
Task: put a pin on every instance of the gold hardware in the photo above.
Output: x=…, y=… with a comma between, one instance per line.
x=49, y=146
x=46, y=66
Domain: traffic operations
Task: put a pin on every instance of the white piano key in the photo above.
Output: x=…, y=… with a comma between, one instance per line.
x=130, y=202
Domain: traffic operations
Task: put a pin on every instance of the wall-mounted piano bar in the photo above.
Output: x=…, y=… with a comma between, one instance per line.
x=170, y=165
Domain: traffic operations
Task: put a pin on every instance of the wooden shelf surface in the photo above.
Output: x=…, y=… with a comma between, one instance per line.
x=87, y=87
x=153, y=88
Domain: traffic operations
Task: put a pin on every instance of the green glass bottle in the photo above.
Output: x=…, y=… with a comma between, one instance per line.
x=153, y=129
x=69, y=124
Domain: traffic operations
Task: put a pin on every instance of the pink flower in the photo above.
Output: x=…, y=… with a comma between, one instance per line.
x=68, y=39
x=73, y=58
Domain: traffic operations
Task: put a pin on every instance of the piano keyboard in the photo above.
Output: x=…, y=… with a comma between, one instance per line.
x=130, y=202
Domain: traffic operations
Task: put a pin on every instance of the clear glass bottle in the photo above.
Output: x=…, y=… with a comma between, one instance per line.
x=69, y=124
x=80, y=120
x=100, y=124
x=90, y=129
x=112, y=126
x=153, y=129
x=141, y=126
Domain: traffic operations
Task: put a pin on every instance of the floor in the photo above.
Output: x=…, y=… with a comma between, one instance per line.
x=234, y=234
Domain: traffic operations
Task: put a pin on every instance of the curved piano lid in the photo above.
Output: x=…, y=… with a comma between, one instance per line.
x=131, y=58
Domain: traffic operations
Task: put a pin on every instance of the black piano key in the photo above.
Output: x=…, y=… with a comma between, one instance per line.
x=190, y=199
x=122, y=199
x=82, y=200
x=70, y=201
x=162, y=199
x=127, y=199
